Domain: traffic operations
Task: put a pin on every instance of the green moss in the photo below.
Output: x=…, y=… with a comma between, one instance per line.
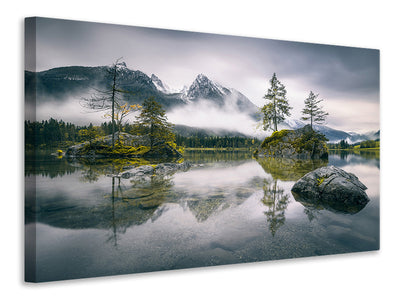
x=308, y=141
x=275, y=138
x=118, y=150
x=320, y=180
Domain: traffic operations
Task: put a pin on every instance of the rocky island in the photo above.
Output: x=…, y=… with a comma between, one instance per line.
x=127, y=145
x=303, y=143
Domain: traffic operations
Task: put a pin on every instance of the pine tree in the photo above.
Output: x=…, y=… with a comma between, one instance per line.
x=313, y=111
x=152, y=122
x=277, y=108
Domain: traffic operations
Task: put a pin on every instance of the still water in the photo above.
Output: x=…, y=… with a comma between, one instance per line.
x=229, y=208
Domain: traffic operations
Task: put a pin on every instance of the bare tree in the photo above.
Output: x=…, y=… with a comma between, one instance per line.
x=110, y=99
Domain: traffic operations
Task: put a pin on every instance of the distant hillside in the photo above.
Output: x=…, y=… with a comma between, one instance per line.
x=187, y=131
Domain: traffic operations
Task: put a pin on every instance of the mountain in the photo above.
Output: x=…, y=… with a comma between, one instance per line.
x=162, y=87
x=74, y=82
x=60, y=84
x=63, y=83
x=203, y=88
x=333, y=135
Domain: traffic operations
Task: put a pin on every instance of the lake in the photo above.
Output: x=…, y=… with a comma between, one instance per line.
x=80, y=221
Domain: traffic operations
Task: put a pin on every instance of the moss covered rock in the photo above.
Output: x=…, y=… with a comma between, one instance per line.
x=303, y=143
x=126, y=145
x=331, y=188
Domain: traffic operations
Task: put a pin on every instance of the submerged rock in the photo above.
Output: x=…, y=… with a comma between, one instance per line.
x=332, y=188
x=162, y=169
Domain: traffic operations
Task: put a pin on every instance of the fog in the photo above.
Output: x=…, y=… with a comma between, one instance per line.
x=71, y=110
x=205, y=114
x=347, y=78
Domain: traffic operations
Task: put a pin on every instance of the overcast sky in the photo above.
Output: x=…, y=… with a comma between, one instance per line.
x=346, y=78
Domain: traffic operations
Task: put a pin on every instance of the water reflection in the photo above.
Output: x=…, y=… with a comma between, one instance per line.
x=344, y=157
x=287, y=169
x=219, y=211
x=210, y=156
x=312, y=205
x=276, y=201
x=208, y=191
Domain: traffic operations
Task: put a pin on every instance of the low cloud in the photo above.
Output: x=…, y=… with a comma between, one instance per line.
x=205, y=114
x=71, y=110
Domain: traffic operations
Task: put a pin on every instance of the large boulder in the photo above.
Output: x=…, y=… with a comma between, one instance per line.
x=303, y=143
x=332, y=188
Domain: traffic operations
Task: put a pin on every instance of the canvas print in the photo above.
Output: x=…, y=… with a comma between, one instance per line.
x=150, y=149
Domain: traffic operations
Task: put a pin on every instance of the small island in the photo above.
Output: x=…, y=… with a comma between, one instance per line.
x=303, y=143
x=153, y=136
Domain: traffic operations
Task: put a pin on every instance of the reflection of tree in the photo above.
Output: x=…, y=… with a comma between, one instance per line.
x=343, y=154
x=48, y=166
x=287, y=169
x=138, y=203
x=212, y=156
x=311, y=212
x=276, y=201
x=89, y=175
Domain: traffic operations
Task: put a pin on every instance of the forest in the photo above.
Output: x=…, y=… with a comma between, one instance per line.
x=54, y=133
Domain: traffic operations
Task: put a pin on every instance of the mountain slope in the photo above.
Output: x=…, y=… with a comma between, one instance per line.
x=203, y=88
x=188, y=131
x=60, y=84
x=333, y=135
x=63, y=83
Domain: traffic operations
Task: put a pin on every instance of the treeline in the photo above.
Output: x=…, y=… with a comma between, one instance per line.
x=53, y=133
x=216, y=142
x=343, y=144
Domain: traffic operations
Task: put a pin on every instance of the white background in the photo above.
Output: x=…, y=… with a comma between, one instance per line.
x=370, y=24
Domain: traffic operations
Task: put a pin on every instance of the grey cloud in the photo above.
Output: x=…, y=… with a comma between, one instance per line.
x=243, y=63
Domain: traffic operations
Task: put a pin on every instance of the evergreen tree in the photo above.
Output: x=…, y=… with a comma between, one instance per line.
x=277, y=107
x=313, y=111
x=152, y=122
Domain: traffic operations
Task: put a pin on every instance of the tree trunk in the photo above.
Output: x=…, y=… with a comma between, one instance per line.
x=113, y=106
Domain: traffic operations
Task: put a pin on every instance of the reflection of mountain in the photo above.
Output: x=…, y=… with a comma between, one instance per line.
x=343, y=158
x=129, y=202
x=276, y=202
x=287, y=169
x=210, y=202
x=119, y=209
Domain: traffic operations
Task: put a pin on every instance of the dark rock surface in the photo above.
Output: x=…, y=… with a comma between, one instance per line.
x=162, y=169
x=332, y=188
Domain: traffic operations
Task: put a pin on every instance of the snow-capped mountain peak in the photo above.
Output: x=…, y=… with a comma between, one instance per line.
x=202, y=87
x=162, y=87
